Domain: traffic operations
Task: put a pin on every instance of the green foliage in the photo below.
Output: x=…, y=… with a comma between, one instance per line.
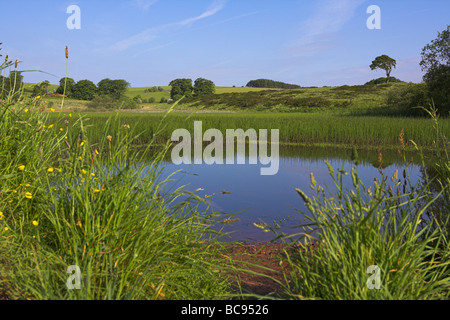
x=385, y=63
x=102, y=207
x=40, y=89
x=383, y=80
x=113, y=88
x=68, y=84
x=108, y=102
x=180, y=88
x=436, y=63
x=84, y=90
x=407, y=100
x=266, y=83
x=203, y=87
x=12, y=86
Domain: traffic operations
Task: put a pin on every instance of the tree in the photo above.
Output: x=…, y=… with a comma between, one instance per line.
x=41, y=89
x=113, y=88
x=203, y=87
x=180, y=88
x=385, y=63
x=436, y=64
x=69, y=83
x=84, y=90
x=12, y=85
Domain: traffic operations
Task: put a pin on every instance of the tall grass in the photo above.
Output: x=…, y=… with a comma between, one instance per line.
x=66, y=200
x=401, y=229
x=306, y=129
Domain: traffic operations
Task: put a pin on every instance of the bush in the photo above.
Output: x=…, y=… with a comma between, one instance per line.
x=406, y=100
x=110, y=103
x=382, y=81
x=151, y=100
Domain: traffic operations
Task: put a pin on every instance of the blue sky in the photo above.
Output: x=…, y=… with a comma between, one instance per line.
x=151, y=42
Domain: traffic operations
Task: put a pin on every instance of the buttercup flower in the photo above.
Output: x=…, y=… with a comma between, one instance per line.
x=50, y=169
x=21, y=167
x=28, y=195
x=35, y=223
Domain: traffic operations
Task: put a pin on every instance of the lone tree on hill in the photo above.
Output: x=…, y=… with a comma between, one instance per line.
x=384, y=62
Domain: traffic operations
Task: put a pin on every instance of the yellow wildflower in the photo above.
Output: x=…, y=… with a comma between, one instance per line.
x=28, y=195
x=93, y=174
x=6, y=228
x=51, y=110
x=96, y=152
x=50, y=170
x=38, y=97
x=83, y=171
x=1, y=215
x=21, y=167
x=35, y=223
x=26, y=110
x=50, y=126
x=61, y=129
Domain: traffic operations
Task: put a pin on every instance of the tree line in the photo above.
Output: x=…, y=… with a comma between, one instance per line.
x=184, y=87
x=266, y=83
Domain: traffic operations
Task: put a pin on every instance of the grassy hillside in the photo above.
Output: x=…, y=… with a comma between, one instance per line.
x=356, y=100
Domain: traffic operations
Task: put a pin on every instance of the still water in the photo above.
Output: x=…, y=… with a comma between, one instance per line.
x=273, y=199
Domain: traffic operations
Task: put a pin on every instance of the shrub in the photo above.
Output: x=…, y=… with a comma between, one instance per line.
x=407, y=99
x=110, y=103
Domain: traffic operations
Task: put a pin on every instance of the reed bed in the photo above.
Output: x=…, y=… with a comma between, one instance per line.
x=307, y=129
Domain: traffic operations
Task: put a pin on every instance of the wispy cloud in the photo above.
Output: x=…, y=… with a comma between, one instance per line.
x=329, y=18
x=153, y=33
x=144, y=4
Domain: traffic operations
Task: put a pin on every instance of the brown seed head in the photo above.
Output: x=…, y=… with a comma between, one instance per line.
x=401, y=139
x=16, y=63
x=6, y=58
x=67, y=52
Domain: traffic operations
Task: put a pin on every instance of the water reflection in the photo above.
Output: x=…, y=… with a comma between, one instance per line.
x=273, y=199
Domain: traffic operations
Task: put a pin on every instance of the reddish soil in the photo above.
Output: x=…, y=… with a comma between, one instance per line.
x=254, y=258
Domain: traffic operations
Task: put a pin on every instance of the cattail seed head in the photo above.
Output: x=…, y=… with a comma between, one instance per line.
x=16, y=63
x=67, y=52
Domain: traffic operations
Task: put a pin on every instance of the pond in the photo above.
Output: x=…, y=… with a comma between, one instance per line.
x=273, y=199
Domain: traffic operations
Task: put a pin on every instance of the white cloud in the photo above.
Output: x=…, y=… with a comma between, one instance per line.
x=153, y=33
